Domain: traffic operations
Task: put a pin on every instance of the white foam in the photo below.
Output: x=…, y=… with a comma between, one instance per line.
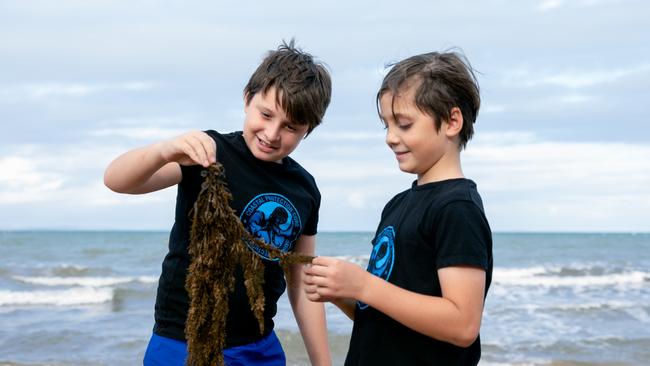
x=73, y=296
x=537, y=276
x=147, y=279
x=583, y=306
x=614, y=305
x=84, y=281
x=75, y=267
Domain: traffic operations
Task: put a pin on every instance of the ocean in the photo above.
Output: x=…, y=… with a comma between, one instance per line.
x=87, y=298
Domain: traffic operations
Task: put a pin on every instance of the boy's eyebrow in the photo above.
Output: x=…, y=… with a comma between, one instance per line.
x=273, y=112
x=265, y=108
x=395, y=115
x=401, y=114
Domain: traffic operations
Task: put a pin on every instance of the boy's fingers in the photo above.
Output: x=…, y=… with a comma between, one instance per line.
x=314, y=297
x=188, y=150
x=209, y=146
x=213, y=150
x=309, y=269
x=308, y=279
x=322, y=261
x=199, y=147
x=311, y=289
x=316, y=271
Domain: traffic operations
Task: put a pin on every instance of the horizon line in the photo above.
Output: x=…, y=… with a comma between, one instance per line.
x=328, y=231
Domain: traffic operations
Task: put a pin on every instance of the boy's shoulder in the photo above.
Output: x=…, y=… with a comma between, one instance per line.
x=396, y=200
x=221, y=136
x=439, y=195
x=301, y=171
x=460, y=190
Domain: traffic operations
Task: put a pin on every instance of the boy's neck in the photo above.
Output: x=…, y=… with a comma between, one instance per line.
x=448, y=167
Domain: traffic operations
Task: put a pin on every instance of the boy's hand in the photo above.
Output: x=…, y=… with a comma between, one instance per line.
x=329, y=279
x=195, y=147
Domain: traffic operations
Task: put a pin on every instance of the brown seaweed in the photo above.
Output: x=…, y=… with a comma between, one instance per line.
x=217, y=249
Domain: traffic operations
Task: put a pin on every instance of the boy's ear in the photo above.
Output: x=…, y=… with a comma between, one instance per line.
x=455, y=123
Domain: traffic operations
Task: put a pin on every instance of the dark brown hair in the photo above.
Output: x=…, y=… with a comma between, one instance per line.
x=442, y=81
x=303, y=86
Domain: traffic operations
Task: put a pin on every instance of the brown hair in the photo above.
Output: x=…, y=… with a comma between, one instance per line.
x=442, y=81
x=303, y=86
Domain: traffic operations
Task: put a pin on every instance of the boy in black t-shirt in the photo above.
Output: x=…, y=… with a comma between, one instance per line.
x=276, y=199
x=420, y=302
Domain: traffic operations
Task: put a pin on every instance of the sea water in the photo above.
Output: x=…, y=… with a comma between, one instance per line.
x=87, y=298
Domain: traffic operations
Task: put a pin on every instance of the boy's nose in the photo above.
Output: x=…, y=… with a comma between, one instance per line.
x=391, y=137
x=272, y=132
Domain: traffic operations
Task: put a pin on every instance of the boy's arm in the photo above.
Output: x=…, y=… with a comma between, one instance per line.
x=454, y=318
x=156, y=166
x=310, y=316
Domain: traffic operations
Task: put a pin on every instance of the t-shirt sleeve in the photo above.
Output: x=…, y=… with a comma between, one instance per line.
x=191, y=174
x=311, y=226
x=218, y=140
x=462, y=235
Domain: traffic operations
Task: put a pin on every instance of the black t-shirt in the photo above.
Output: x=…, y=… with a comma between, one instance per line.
x=275, y=202
x=423, y=229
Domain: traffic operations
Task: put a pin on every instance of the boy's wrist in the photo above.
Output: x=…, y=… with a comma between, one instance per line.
x=158, y=149
x=367, y=287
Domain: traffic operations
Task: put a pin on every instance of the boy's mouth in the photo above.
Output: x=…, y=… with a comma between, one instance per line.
x=266, y=146
x=400, y=155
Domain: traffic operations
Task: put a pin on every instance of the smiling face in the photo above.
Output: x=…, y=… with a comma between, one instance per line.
x=419, y=148
x=268, y=132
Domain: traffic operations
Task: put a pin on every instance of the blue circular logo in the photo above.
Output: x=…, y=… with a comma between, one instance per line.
x=273, y=218
x=382, y=257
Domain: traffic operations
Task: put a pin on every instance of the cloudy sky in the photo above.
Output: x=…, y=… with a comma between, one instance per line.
x=561, y=141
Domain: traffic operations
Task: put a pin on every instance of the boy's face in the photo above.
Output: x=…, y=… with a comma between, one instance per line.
x=411, y=134
x=268, y=133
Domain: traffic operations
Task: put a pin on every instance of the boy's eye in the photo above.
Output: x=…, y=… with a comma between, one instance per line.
x=291, y=127
x=266, y=115
x=403, y=123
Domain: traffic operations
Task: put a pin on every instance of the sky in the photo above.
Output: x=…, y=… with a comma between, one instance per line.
x=561, y=142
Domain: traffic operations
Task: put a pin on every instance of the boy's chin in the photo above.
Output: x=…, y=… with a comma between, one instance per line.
x=271, y=158
x=261, y=155
x=406, y=169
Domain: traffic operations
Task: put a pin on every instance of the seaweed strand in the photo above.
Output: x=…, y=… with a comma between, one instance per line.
x=217, y=249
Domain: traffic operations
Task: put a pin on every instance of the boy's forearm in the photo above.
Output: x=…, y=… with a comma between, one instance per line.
x=432, y=316
x=133, y=169
x=310, y=317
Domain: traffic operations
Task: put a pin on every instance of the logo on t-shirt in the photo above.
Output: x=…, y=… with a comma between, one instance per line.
x=273, y=218
x=382, y=256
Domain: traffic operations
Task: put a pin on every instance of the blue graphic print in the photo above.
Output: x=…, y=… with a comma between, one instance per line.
x=273, y=218
x=382, y=257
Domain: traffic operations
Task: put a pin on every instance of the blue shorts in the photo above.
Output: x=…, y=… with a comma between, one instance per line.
x=163, y=351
